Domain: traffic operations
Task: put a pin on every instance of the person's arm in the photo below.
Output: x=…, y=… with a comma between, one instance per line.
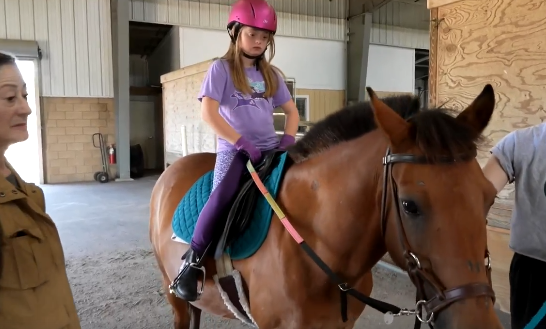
x=292, y=118
x=211, y=115
x=495, y=174
x=212, y=91
x=500, y=168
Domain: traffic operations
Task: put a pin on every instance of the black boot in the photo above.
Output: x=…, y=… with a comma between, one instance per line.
x=184, y=285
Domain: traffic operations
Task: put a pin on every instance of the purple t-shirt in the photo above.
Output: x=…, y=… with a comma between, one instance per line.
x=250, y=115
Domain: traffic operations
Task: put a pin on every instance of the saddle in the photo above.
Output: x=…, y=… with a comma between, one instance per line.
x=243, y=205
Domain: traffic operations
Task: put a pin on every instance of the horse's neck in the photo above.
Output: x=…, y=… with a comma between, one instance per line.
x=333, y=201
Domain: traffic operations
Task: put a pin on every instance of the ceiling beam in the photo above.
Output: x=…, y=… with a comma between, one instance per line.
x=372, y=5
x=439, y=3
x=421, y=60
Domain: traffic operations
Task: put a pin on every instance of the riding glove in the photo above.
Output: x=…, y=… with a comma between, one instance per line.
x=245, y=146
x=286, y=141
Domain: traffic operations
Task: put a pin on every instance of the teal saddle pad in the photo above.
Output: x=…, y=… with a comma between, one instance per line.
x=188, y=210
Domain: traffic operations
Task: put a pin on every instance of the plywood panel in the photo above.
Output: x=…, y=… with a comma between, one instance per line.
x=438, y=3
x=483, y=41
x=501, y=256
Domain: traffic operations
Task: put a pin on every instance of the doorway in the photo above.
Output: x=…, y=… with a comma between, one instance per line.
x=143, y=131
x=25, y=157
x=421, y=75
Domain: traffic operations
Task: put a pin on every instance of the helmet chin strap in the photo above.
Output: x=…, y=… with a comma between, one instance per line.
x=256, y=59
x=236, y=30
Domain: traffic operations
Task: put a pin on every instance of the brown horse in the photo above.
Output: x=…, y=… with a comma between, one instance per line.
x=351, y=204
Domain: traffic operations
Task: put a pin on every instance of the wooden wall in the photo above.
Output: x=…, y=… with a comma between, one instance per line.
x=501, y=42
x=183, y=129
x=322, y=102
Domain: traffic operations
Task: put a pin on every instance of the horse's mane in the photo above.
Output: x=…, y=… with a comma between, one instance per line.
x=435, y=131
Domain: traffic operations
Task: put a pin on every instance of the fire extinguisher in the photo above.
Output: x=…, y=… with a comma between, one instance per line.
x=112, y=154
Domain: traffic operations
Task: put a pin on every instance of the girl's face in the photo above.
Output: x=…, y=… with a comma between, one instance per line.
x=253, y=41
x=14, y=108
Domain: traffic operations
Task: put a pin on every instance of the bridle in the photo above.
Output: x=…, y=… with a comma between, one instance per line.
x=419, y=274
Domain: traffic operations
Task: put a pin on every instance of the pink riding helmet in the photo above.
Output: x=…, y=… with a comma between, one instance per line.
x=254, y=13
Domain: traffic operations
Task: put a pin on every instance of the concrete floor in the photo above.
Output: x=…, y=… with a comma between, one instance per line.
x=104, y=230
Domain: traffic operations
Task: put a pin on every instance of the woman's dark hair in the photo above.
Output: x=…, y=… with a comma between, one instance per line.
x=5, y=59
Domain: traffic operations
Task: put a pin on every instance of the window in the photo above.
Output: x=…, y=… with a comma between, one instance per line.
x=291, y=84
x=278, y=114
x=302, y=103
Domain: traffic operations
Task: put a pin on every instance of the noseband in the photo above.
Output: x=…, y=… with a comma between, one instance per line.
x=421, y=275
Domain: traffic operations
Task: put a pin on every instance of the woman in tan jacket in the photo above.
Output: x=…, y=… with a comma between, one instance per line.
x=34, y=288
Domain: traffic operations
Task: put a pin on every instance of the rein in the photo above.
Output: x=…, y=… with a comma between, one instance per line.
x=417, y=273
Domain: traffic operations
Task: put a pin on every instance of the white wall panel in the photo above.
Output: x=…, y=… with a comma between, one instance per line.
x=401, y=23
x=75, y=40
x=321, y=19
x=399, y=36
x=391, y=69
x=315, y=64
x=408, y=14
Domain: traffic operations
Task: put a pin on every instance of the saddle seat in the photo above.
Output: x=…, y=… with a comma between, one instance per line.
x=248, y=219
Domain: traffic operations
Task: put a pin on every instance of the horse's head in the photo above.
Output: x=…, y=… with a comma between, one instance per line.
x=435, y=208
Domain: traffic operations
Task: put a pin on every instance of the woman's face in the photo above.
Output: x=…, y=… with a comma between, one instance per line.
x=253, y=41
x=14, y=108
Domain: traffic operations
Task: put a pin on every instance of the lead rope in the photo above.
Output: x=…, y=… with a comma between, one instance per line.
x=385, y=308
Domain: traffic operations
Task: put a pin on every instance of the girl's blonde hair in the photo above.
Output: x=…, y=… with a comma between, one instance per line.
x=237, y=69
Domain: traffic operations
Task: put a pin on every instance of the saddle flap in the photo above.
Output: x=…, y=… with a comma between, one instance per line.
x=240, y=214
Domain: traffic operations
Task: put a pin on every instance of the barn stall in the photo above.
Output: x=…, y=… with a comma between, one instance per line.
x=501, y=42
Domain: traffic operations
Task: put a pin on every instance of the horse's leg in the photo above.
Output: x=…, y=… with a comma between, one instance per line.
x=181, y=310
x=195, y=316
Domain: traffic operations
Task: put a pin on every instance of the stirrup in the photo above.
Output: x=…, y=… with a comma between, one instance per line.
x=189, y=267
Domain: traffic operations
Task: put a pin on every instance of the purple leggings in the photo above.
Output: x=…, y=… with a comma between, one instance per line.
x=228, y=170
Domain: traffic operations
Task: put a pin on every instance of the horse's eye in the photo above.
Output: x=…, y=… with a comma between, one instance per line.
x=410, y=208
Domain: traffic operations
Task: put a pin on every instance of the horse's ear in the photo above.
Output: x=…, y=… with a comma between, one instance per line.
x=478, y=114
x=390, y=122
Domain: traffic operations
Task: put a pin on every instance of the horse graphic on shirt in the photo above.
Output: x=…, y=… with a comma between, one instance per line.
x=254, y=99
